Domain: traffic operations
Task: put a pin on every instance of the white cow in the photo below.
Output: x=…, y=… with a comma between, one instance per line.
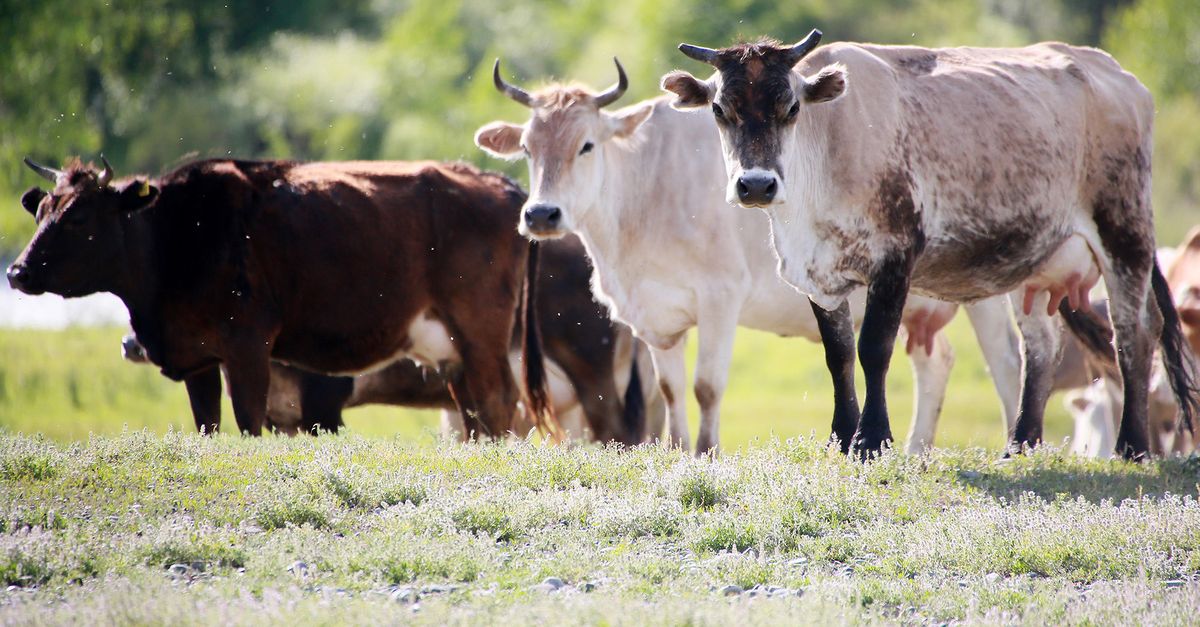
x=641, y=187
x=957, y=173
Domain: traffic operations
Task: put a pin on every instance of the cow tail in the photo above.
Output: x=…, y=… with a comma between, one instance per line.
x=633, y=416
x=1176, y=352
x=531, y=345
x=1095, y=334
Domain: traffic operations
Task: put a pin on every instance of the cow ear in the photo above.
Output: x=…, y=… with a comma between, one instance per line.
x=827, y=85
x=690, y=91
x=31, y=199
x=137, y=194
x=624, y=123
x=500, y=139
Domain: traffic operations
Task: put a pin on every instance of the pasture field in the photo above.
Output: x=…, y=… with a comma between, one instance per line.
x=179, y=529
x=69, y=384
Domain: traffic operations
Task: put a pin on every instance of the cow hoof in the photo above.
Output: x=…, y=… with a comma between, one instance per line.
x=869, y=447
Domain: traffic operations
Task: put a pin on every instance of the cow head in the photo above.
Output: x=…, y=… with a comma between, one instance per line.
x=756, y=99
x=566, y=141
x=79, y=242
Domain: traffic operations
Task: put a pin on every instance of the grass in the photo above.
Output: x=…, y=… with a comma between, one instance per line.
x=69, y=384
x=146, y=528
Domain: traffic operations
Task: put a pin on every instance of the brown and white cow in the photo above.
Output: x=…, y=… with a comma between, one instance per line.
x=589, y=364
x=641, y=187
x=956, y=173
x=1183, y=276
x=335, y=267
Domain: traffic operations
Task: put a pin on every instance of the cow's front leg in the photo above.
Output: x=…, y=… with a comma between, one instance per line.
x=876, y=340
x=715, y=350
x=204, y=395
x=837, y=336
x=670, y=369
x=249, y=373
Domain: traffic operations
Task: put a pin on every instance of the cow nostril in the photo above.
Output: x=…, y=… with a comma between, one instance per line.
x=770, y=189
x=554, y=215
x=742, y=190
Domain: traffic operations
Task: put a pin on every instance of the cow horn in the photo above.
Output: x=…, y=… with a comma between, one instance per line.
x=512, y=91
x=701, y=54
x=616, y=91
x=801, y=50
x=50, y=174
x=106, y=175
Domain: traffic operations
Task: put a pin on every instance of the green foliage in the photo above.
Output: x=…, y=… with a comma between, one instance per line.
x=153, y=84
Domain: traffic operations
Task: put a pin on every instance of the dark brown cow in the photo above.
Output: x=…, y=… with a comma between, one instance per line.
x=335, y=267
x=579, y=339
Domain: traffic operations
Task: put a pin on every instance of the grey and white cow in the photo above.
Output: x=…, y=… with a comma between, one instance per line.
x=957, y=173
x=641, y=188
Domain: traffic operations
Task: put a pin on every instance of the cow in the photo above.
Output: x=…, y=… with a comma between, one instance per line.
x=589, y=361
x=959, y=174
x=1183, y=277
x=639, y=186
x=338, y=268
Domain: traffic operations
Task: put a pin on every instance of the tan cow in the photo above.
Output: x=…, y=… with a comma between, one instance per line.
x=955, y=173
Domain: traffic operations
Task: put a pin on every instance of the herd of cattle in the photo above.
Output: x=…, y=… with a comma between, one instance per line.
x=894, y=184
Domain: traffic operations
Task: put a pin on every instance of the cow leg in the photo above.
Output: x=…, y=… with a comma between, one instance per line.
x=881, y=323
x=715, y=350
x=837, y=336
x=1000, y=345
x=249, y=375
x=204, y=395
x=1136, y=324
x=1041, y=350
x=671, y=371
x=931, y=375
x=321, y=401
x=656, y=407
x=451, y=425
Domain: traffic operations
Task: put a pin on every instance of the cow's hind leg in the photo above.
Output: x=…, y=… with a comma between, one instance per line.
x=489, y=394
x=204, y=394
x=1000, y=344
x=881, y=323
x=837, y=337
x=1041, y=350
x=671, y=371
x=931, y=375
x=1121, y=211
x=249, y=372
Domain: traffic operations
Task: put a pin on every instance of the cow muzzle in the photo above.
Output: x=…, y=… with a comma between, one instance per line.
x=132, y=350
x=757, y=188
x=20, y=279
x=543, y=220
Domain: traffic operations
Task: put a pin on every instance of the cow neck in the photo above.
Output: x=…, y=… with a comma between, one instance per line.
x=139, y=284
x=608, y=222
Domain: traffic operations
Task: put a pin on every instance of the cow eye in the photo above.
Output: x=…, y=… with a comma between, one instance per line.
x=717, y=111
x=795, y=109
x=587, y=147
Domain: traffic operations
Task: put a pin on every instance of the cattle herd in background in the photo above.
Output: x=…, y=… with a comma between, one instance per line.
x=879, y=188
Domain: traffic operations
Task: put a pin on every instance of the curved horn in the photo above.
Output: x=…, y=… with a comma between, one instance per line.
x=616, y=91
x=106, y=175
x=512, y=91
x=50, y=174
x=701, y=54
x=801, y=50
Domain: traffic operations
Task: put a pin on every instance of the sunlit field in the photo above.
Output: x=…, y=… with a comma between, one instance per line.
x=69, y=384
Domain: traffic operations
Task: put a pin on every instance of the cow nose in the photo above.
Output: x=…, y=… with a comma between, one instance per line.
x=131, y=349
x=18, y=277
x=757, y=188
x=542, y=217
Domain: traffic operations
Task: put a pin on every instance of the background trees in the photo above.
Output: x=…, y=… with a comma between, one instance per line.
x=152, y=83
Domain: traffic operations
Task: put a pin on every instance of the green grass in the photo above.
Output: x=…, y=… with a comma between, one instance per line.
x=69, y=384
x=149, y=529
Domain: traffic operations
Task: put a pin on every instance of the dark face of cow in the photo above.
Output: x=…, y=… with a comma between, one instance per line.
x=757, y=100
x=79, y=243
